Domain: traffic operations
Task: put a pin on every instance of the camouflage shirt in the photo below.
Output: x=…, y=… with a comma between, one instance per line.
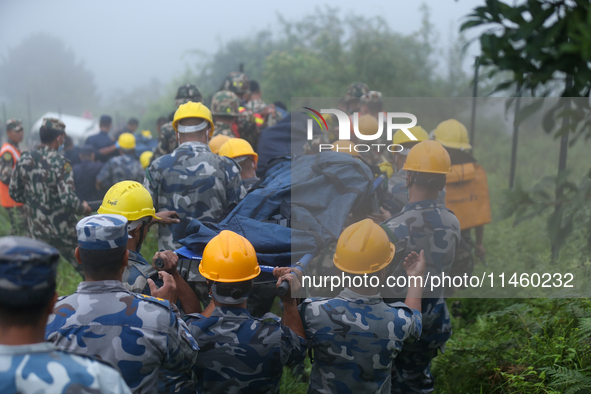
x=354, y=339
x=434, y=228
x=7, y=165
x=42, y=368
x=120, y=168
x=137, y=333
x=256, y=105
x=43, y=180
x=240, y=353
x=136, y=274
x=195, y=183
x=167, y=141
x=223, y=129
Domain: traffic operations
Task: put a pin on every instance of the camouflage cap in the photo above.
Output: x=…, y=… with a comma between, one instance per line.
x=54, y=124
x=27, y=271
x=14, y=124
x=356, y=90
x=225, y=103
x=372, y=96
x=103, y=231
x=236, y=82
x=188, y=92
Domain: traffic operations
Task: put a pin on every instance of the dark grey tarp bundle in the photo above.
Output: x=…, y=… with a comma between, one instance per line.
x=300, y=207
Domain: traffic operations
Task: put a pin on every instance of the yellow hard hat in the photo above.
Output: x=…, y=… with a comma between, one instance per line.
x=193, y=110
x=400, y=136
x=363, y=248
x=217, y=141
x=229, y=257
x=236, y=147
x=452, y=134
x=344, y=146
x=145, y=158
x=368, y=125
x=147, y=133
x=129, y=199
x=126, y=141
x=428, y=156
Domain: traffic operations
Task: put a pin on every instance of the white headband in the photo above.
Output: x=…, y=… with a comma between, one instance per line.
x=192, y=129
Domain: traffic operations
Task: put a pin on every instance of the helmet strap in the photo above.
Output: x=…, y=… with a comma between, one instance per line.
x=138, y=247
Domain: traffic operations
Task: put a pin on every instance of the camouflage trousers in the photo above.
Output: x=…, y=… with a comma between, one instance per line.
x=18, y=221
x=411, y=372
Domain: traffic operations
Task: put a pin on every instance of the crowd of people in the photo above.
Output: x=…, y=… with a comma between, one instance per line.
x=139, y=326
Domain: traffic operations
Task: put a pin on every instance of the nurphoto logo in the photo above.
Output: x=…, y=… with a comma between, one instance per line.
x=344, y=129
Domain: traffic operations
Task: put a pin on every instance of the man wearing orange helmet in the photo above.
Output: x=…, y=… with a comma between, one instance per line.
x=423, y=224
x=356, y=335
x=241, y=353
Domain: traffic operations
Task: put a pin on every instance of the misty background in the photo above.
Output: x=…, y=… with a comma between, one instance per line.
x=127, y=58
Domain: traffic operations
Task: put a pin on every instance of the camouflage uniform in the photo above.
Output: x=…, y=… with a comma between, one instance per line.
x=42, y=368
x=167, y=141
x=226, y=103
x=28, y=271
x=240, y=353
x=16, y=212
x=434, y=228
x=354, y=92
x=195, y=183
x=236, y=82
x=43, y=180
x=137, y=333
x=256, y=105
x=121, y=168
x=372, y=96
x=136, y=274
x=354, y=340
x=223, y=129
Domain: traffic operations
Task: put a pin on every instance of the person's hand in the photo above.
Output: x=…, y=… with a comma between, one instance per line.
x=169, y=258
x=480, y=252
x=381, y=217
x=168, y=291
x=87, y=208
x=415, y=264
x=269, y=109
x=292, y=277
x=167, y=217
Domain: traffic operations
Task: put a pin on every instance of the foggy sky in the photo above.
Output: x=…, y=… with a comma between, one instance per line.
x=126, y=43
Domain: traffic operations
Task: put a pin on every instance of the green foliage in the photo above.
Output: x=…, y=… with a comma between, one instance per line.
x=43, y=68
x=535, y=346
x=537, y=41
x=321, y=54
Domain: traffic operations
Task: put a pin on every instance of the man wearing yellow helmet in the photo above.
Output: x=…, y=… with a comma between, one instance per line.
x=397, y=183
x=132, y=201
x=253, y=351
x=355, y=336
x=467, y=192
x=192, y=181
x=423, y=224
x=121, y=168
x=241, y=151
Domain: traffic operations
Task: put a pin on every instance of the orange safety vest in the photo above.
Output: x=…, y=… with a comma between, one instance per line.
x=5, y=199
x=466, y=194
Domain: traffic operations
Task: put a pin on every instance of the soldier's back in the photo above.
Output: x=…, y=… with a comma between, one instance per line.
x=354, y=341
x=195, y=183
x=137, y=333
x=43, y=368
x=240, y=353
x=46, y=183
